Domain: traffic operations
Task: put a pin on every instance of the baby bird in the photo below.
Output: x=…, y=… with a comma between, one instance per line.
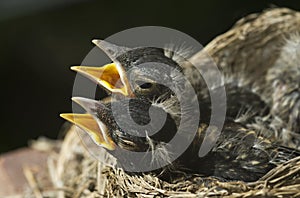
x=147, y=85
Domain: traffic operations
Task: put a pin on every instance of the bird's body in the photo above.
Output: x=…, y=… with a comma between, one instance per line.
x=239, y=154
x=241, y=151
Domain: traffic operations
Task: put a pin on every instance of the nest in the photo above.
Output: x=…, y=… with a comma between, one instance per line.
x=76, y=173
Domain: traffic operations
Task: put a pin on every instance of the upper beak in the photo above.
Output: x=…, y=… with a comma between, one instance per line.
x=112, y=76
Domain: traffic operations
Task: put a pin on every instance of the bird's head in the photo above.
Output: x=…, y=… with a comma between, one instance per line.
x=125, y=123
x=137, y=72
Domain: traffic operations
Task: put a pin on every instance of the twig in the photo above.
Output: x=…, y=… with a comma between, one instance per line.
x=32, y=182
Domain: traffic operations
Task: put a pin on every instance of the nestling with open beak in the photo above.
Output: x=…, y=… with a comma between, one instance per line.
x=240, y=153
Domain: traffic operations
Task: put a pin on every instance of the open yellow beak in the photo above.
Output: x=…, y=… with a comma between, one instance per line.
x=111, y=76
x=87, y=122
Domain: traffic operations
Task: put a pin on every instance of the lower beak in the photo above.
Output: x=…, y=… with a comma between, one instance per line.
x=97, y=130
x=111, y=76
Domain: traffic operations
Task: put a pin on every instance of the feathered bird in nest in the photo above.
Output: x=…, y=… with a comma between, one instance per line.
x=252, y=141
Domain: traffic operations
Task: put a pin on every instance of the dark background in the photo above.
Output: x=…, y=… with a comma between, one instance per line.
x=41, y=39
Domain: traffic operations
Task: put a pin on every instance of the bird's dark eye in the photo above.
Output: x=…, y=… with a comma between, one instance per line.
x=144, y=85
